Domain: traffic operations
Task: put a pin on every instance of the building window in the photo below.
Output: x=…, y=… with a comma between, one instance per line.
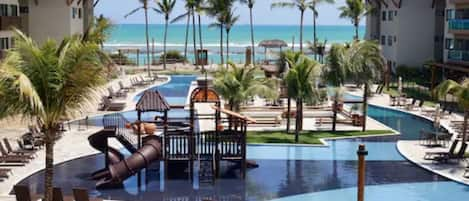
x=390, y=40
x=449, y=44
x=383, y=40
x=24, y=9
x=4, y=43
x=14, y=10
x=3, y=10
x=450, y=14
x=395, y=39
x=390, y=15
x=79, y=13
x=384, y=15
x=74, y=13
x=395, y=13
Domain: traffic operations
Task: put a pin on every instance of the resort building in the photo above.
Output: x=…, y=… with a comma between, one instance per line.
x=44, y=19
x=406, y=31
x=9, y=16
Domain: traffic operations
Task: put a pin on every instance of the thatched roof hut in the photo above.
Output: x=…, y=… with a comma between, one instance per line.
x=275, y=43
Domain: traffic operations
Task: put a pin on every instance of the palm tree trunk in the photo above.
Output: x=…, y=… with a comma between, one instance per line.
x=221, y=44
x=288, y=114
x=301, y=115
x=227, y=47
x=164, y=43
x=194, y=33
x=464, y=131
x=253, y=60
x=49, y=174
x=148, y=41
x=356, y=28
x=200, y=33
x=297, y=121
x=315, y=39
x=301, y=31
x=365, y=107
x=187, y=35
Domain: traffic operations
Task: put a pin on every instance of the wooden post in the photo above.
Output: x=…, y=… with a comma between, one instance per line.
x=138, y=57
x=153, y=51
x=139, y=145
x=334, y=118
x=288, y=114
x=365, y=105
x=361, y=172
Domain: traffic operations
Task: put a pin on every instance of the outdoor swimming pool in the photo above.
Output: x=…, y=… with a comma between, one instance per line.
x=291, y=173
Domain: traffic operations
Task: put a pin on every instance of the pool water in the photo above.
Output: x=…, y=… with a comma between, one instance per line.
x=289, y=173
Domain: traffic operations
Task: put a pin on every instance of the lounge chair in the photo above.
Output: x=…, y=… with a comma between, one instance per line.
x=5, y=173
x=125, y=88
x=411, y=105
x=58, y=195
x=146, y=81
x=108, y=105
x=82, y=195
x=116, y=94
x=450, y=156
x=21, y=151
x=431, y=154
x=5, y=154
x=22, y=193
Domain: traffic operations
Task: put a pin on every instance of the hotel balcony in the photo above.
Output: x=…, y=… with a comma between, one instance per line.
x=7, y=22
x=458, y=26
x=458, y=57
x=459, y=2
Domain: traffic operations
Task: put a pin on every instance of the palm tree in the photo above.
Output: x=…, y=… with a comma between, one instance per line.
x=313, y=7
x=218, y=9
x=284, y=66
x=230, y=20
x=300, y=81
x=250, y=4
x=48, y=83
x=302, y=5
x=187, y=15
x=366, y=65
x=145, y=8
x=335, y=71
x=165, y=7
x=240, y=84
x=461, y=92
x=355, y=10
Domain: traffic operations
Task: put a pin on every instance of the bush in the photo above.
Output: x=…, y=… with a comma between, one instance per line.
x=121, y=59
x=172, y=55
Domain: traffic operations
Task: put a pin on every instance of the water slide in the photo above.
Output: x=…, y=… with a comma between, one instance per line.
x=120, y=170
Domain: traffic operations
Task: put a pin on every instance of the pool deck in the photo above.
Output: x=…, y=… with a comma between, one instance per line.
x=414, y=151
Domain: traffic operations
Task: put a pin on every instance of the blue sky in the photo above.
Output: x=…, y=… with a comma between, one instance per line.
x=263, y=14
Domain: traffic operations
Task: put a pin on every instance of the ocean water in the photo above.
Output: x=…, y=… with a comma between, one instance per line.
x=133, y=35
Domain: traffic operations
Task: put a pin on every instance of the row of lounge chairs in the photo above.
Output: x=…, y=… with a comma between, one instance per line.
x=452, y=154
x=23, y=193
x=110, y=102
x=11, y=157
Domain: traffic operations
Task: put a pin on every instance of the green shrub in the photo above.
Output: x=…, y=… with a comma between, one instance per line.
x=121, y=59
x=172, y=55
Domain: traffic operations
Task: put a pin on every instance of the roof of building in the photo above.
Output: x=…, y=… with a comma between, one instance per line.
x=275, y=43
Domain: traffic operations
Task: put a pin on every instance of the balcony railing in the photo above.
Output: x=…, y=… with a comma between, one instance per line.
x=459, y=1
x=7, y=22
x=458, y=55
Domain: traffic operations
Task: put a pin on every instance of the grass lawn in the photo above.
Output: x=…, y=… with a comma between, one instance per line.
x=307, y=137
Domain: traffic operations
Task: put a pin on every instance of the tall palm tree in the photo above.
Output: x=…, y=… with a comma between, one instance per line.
x=313, y=7
x=218, y=9
x=48, y=83
x=461, y=92
x=188, y=6
x=145, y=8
x=250, y=4
x=230, y=20
x=240, y=84
x=366, y=65
x=100, y=31
x=284, y=66
x=335, y=71
x=300, y=81
x=355, y=10
x=302, y=5
x=165, y=7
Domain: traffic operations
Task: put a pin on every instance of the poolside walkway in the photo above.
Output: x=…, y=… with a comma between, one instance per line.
x=414, y=152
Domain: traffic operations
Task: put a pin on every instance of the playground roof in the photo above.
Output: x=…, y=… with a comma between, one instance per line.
x=152, y=100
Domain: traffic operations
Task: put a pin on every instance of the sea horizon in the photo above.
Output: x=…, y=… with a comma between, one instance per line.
x=133, y=36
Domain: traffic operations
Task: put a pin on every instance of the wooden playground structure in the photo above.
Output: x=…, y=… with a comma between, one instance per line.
x=179, y=140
